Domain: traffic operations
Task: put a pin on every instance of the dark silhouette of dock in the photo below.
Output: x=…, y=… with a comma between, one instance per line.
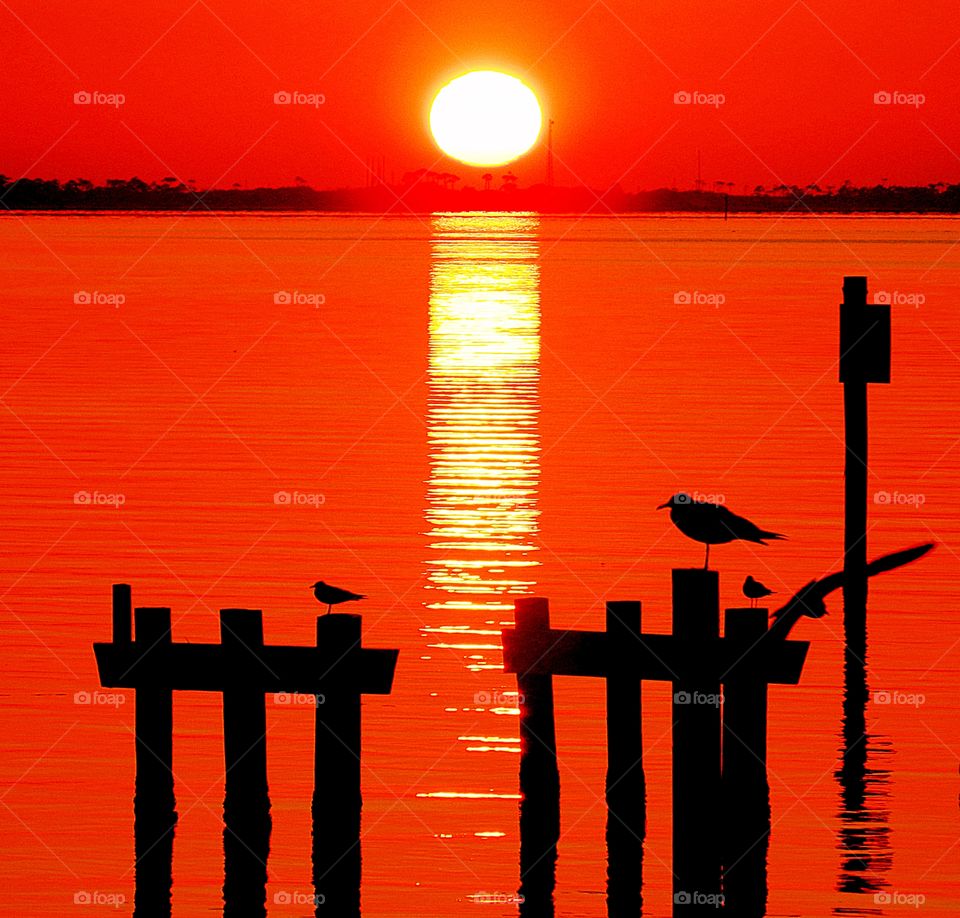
x=243, y=669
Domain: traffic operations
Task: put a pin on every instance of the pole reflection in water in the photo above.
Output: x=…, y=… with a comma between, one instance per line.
x=864, y=838
x=482, y=516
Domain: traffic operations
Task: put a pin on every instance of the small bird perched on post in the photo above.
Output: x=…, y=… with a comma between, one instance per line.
x=333, y=596
x=754, y=590
x=713, y=524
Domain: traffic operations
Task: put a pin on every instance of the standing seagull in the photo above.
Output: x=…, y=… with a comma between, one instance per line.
x=754, y=590
x=713, y=524
x=332, y=595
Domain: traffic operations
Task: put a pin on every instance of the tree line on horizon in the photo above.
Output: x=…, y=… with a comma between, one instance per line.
x=424, y=189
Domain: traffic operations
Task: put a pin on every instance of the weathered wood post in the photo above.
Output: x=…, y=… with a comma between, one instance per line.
x=122, y=620
x=864, y=358
x=154, y=805
x=696, y=751
x=246, y=805
x=625, y=781
x=539, y=774
x=337, y=800
x=244, y=707
x=746, y=791
x=154, y=711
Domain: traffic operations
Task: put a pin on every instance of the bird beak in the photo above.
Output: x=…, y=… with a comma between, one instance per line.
x=663, y=506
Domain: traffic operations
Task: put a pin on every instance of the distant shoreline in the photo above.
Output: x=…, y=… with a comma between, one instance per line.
x=406, y=214
x=425, y=196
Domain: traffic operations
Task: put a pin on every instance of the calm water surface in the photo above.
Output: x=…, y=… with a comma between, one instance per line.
x=465, y=409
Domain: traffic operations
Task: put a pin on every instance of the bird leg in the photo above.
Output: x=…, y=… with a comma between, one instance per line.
x=329, y=607
x=706, y=559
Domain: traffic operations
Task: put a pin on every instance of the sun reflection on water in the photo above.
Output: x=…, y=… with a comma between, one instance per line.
x=484, y=369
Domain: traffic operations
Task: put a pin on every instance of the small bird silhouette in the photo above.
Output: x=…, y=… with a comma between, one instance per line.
x=754, y=590
x=333, y=596
x=713, y=524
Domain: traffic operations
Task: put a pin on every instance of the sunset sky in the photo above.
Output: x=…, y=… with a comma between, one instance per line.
x=798, y=81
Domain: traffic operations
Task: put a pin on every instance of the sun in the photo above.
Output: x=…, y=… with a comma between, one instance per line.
x=485, y=118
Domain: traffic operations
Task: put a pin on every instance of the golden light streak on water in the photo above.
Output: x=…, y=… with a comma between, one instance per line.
x=484, y=371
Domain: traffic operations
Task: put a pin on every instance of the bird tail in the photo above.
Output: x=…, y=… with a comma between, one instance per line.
x=762, y=535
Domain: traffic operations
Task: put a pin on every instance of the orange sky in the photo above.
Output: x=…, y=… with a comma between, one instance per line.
x=198, y=76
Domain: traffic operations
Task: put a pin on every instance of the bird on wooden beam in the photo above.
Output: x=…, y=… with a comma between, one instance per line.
x=713, y=524
x=754, y=590
x=333, y=596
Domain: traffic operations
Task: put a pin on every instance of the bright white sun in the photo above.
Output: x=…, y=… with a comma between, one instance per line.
x=485, y=118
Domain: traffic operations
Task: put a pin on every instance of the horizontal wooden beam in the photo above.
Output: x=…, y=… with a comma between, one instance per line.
x=267, y=668
x=653, y=656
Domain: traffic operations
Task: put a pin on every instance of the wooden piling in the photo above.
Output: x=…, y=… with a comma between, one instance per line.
x=864, y=358
x=337, y=799
x=746, y=792
x=539, y=774
x=154, y=805
x=625, y=779
x=855, y=476
x=154, y=714
x=122, y=615
x=244, y=708
x=696, y=752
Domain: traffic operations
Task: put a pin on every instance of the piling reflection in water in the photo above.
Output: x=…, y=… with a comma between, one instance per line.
x=866, y=854
x=154, y=826
x=483, y=406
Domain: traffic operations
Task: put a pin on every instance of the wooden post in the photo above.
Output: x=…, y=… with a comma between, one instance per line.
x=864, y=358
x=539, y=774
x=337, y=800
x=625, y=780
x=244, y=709
x=122, y=620
x=154, y=805
x=696, y=752
x=746, y=792
x=246, y=805
x=154, y=715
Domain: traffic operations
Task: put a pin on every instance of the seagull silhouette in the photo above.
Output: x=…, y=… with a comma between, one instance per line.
x=754, y=590
x=713, y=524
x=333, y=596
